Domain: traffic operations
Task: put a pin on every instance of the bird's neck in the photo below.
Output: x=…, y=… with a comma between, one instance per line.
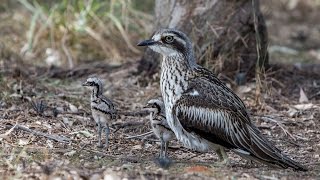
x=179, y=61
x=175, y=72
x=96, y=91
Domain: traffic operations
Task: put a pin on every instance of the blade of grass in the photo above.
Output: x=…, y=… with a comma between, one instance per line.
x=123, y=33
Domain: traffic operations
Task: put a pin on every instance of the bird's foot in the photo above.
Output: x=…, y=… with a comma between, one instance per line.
x=100, y=146
x=163, y=162
x=241, y=78
x=223, y=163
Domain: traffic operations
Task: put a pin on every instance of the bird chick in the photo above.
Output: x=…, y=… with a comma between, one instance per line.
x=159, y=124
x=102, y=108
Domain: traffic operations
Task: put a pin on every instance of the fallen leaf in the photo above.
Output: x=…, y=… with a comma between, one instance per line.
x=66, y=121
x=244, y=89
x=73, y=108
x=198, y=169
x=70, y=153
x=304, y=106
x=303, y=97
x=49, y=143
x=292, y=112
x=23, y=142
x=85, y=133
x=111, y=175
x=137, y=147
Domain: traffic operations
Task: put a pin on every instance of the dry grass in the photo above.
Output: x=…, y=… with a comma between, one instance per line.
x=65, y=33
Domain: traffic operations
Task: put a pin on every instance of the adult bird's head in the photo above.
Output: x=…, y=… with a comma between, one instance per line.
x=155, y=106
x=169, y=42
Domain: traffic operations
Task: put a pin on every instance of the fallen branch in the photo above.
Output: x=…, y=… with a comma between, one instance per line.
x=140, y=135
x=38, y=133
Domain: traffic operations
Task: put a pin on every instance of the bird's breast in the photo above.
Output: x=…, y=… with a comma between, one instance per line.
x=173, y=81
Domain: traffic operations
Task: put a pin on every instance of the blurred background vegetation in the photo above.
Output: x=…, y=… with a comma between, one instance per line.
x=66, y=32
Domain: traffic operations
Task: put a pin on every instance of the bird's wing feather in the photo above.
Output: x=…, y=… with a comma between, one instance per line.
x=105, y=105
x=209, y=109
x=163, y=121
x=213, y=111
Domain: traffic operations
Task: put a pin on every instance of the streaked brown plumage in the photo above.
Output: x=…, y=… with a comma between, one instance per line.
x=203, y=113
x=102, y=108
x=159, y=124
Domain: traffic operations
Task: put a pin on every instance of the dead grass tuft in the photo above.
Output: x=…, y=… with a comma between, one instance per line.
x=66, y=32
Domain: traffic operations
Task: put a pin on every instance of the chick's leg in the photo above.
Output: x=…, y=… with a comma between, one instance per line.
x=99, y=128
x=107, y=131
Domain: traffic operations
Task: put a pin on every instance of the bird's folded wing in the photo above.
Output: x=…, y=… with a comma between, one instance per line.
x=213, y=111
x=165, y=124
x=105, y=108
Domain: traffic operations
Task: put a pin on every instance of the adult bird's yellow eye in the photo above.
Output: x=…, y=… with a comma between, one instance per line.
x=169, y=39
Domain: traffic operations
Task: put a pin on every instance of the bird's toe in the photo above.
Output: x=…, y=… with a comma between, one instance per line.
x=163, y=162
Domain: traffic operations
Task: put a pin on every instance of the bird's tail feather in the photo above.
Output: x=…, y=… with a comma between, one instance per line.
x=263, y=151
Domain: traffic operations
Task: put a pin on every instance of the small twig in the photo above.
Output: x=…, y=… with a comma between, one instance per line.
x=279, y=124
x=134, y=114
x=314, y=95
x=66, y=51
x=127, y=124
x=140, y=135
x=192, y=156
x=38, y=133
x=312, y=163
x=146, y=138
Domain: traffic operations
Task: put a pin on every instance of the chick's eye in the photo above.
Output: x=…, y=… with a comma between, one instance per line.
x=169, y=39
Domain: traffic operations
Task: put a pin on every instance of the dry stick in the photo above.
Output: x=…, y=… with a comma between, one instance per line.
x=314, y=95
x=38, y=133
x=140, y=135
x=279, y=124
x=139, y=113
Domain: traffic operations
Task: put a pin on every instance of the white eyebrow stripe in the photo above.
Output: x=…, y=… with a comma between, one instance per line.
x=180, y=40
x=156, y=37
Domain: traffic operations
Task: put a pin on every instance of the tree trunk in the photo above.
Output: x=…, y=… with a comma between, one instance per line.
x=229, y=36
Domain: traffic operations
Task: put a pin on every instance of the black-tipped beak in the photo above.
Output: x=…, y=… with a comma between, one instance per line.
x=146, y=106
x=85, y=84
x=148, y=42
x=149, y=108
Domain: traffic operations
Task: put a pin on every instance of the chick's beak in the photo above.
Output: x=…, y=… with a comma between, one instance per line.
x=147, y=106
x=148, y=42
x=85, y=84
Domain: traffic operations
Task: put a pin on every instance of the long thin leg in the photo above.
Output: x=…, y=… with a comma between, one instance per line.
x=223, y=157
x=163, y=161
x=99, y=135
x=166, y=149
x=107, y=131
x=162, y=148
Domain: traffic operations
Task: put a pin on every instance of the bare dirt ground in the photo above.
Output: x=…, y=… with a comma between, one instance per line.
x=291, y=125
x=288, y=114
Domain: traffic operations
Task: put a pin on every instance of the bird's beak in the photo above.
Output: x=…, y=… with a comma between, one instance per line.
x=149, y=108
x=148, y=42
x=85, y=84
x=146, y=106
